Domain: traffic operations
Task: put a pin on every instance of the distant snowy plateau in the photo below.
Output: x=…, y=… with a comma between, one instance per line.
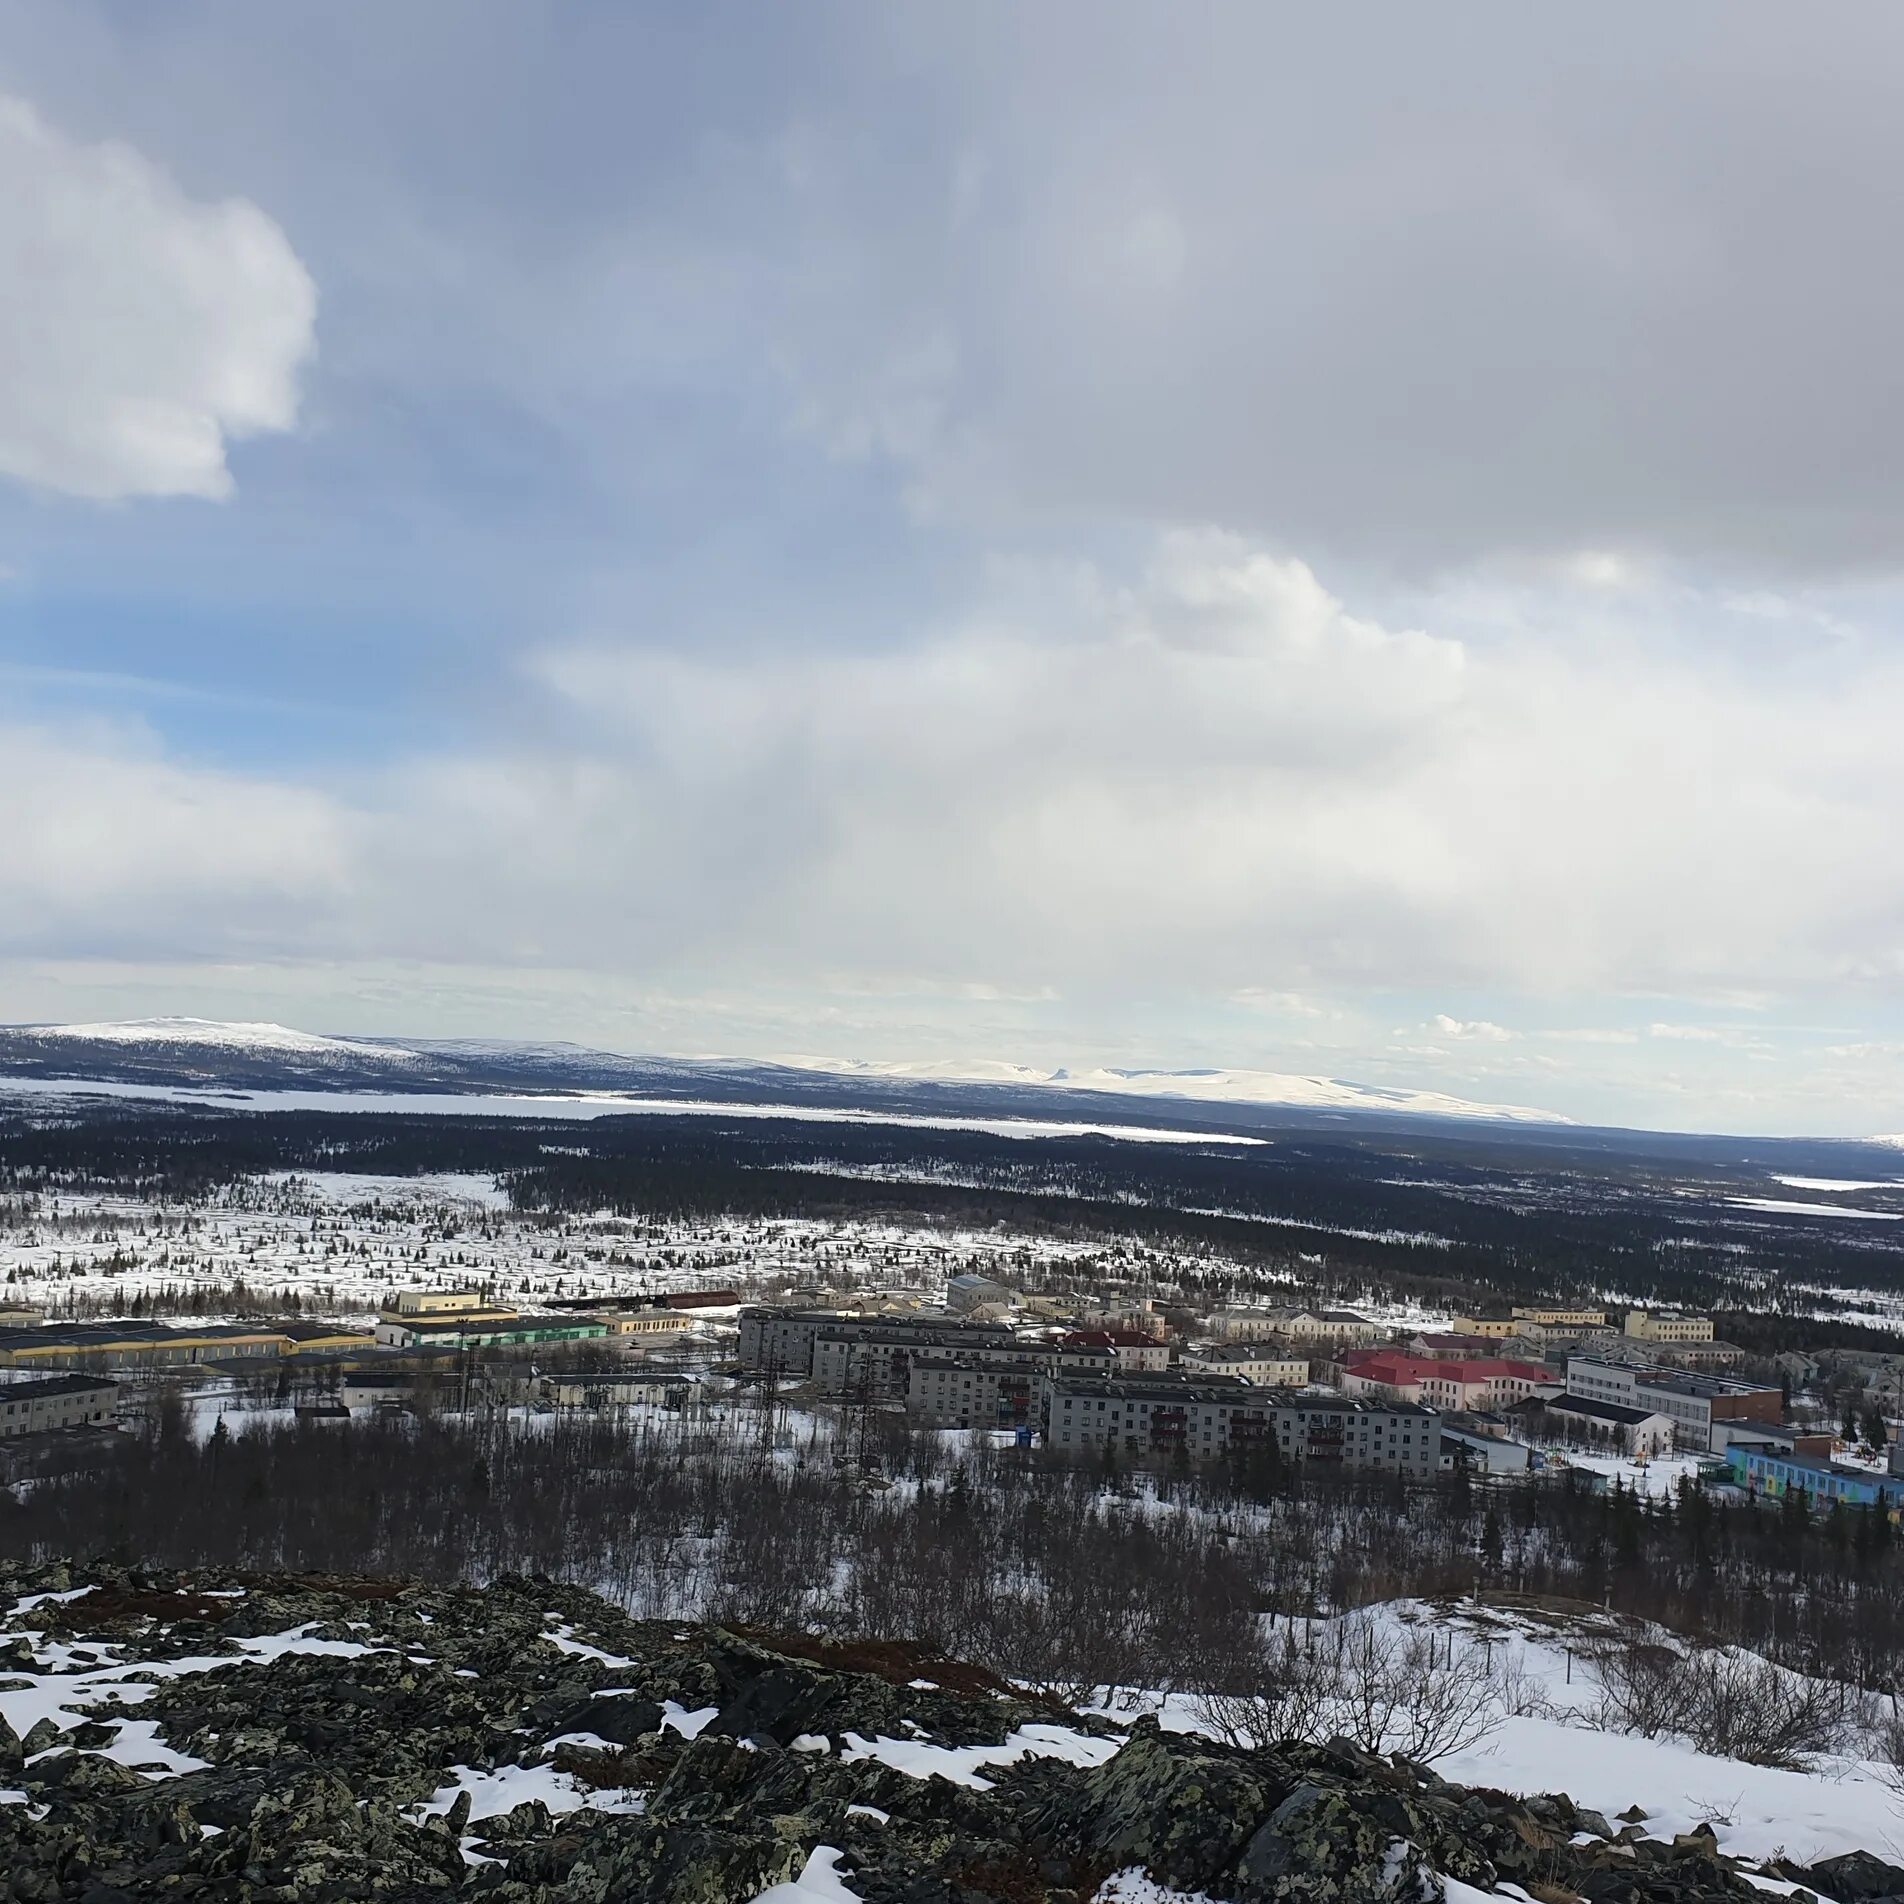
x=168, y=1056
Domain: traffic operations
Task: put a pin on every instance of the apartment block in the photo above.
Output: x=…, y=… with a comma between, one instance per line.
x=784, y=1340
x=968, y=1392
x=1208, y=1418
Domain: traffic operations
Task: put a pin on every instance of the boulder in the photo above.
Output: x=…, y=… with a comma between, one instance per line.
x=1858, y=1877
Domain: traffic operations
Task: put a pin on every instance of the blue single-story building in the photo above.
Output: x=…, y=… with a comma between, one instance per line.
x=1777, y=1471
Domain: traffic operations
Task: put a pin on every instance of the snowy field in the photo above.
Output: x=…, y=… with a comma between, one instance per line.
x=585, y=1105
x=1841, y=1804
x=1658, y=1477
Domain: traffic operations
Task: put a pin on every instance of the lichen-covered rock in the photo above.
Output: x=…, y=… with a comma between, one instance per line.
x=1859, y=1878
x=323, y=1765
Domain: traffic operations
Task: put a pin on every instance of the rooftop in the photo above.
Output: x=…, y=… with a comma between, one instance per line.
x=1246, y=1352
x=1679, y=1381
x=1224, y=1388
x=56, y=1385
x=95, y=1335
x=970, y=1366
x=480, y=1319
x=1597, y=1410
x=1819, y=1464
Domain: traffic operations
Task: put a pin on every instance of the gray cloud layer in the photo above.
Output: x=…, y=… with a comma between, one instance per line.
x=1262, y=504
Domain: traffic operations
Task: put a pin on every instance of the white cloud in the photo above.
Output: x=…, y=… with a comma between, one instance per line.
x=1216, y=769
x=1478, y=1029
x=1201, y=793
x=105, y=842
x=141, y=330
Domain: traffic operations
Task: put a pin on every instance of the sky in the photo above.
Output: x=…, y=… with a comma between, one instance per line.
x=1365, y=541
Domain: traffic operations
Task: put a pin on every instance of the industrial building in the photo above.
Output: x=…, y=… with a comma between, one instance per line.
x=441, y=1302
x=607, y=1392
x=647, y=1324
x=59, y=1401
x=978, y=1296
x=325, y=1338
x=138, y=1344
x=482, y=1329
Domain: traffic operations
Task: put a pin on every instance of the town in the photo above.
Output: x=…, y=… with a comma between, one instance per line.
x=1639, y=1397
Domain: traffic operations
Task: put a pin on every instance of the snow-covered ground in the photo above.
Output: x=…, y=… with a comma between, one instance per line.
x=1841, y=1804
x=1785, y=1206
x=1841, y=1183
x=342, y=1241
x=1659, y=1476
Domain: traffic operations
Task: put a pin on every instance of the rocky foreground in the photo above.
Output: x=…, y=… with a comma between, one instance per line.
x=304, y=1740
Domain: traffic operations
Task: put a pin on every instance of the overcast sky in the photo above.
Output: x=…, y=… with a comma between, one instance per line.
x=1364, y=540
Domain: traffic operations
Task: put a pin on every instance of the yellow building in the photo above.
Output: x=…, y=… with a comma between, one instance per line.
x=644, y=1322
x=1667, y=1326
x=1564, y=1318
x=441, y=1302
x=149, y=1344
x=325, y=1338
x=1495, y=1328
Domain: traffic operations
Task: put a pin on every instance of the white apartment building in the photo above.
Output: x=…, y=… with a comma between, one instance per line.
x=783, y=1340
x=1208, y=1418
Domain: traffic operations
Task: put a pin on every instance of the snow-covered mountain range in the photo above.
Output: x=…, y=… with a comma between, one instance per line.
x=211, y=1034
x=211, y=1054
x=1225, y=1086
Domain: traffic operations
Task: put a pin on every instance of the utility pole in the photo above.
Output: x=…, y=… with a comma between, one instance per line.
x=863, y=1398
x=769, y=1401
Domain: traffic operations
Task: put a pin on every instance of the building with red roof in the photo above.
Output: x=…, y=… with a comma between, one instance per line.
x=1448, y=1382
